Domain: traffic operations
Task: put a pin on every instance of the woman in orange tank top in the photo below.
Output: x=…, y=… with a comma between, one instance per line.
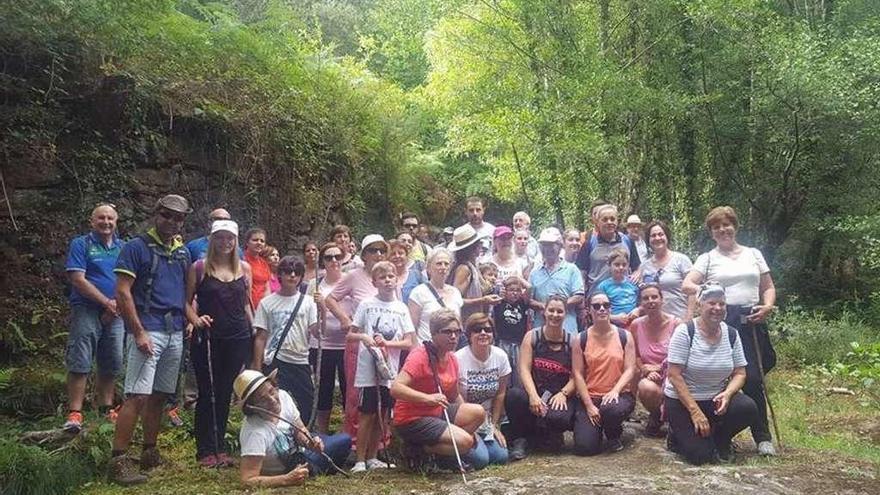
x=603, y=364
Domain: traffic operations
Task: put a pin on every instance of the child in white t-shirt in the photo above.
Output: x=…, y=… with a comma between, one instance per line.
x=383, y=327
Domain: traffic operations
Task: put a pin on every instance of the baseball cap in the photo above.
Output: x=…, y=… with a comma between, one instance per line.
x=501, y=231
x=550, y=234
x=173, y=202
x=225, y=225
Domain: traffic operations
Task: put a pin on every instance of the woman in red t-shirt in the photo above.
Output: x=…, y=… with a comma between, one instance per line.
x=418, y=410
x=255, y=242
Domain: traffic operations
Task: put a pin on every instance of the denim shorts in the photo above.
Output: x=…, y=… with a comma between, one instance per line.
x=91, y=340
x=144, y=374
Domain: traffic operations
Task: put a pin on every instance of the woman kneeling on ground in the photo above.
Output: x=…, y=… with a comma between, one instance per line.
x=652, y=333
x=273, y=452
x=543, y=406
x=419, y=417
x=484, y=372
x=707, y=369
x=603, y=366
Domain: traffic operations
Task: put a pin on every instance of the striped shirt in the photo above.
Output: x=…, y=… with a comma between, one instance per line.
x=706, y=367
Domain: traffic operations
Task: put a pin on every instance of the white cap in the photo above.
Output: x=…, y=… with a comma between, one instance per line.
x=550, y=234
x=633, y=220
x=225, y=225
x=373, y=239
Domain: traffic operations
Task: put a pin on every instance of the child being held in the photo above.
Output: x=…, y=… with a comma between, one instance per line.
x=622, y=292
x=489, y=278
x=512, y=321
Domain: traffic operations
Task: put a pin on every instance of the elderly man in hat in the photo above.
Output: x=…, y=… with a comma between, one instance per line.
x=151, y=295
x=276, y=447
x=556, y=277
x=634, y=232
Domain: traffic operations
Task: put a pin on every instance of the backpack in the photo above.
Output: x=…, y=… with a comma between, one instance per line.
x=692, y=329
x=157, y=251
x=621, y=334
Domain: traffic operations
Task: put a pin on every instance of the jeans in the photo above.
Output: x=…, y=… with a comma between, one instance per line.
x=336, y=446
x=588, y=437
x=487, y=452
x=741, y=412
x=332, y=369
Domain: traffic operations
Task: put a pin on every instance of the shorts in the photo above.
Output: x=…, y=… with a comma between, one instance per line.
x=426, y=430
x=369, y=398
x=89, y=339
x=144, y=374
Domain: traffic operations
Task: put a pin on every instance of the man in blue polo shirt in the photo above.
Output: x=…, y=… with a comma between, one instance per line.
x=555, y=276
x=96, y=330
x=592, y=259
x=151, y=294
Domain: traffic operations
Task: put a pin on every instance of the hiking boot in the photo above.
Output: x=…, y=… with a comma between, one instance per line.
x=74, y=422
x=652, y=428
x=123, y=470
x=150, y=458
x=209, y=461
x=614, y=445
x=518, y=449
x=174, y=417
x=766, y=448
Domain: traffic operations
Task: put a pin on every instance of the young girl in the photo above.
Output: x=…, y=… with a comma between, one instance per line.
x=622, y=293
x=270, y=254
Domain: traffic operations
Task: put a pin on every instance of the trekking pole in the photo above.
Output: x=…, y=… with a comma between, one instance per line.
x=764, y=384
x=299, y=429
x=207, y=335
x=322, y=321
x=432, y=360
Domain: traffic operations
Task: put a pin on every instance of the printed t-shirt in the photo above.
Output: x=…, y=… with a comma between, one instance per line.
x=391, y=320
x=511, y=320
x=424, y=298
x=418, y=367
x=89, y=254
x=705, y=367
x=271, y=441
x=478, y=381
x=272, y=315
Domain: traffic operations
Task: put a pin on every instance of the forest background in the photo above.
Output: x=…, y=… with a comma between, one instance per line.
x=299, y=114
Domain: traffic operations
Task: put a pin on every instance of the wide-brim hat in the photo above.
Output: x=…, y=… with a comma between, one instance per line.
x=374, y=239
x=463, y=237
x=247, y=383
x=634, y=220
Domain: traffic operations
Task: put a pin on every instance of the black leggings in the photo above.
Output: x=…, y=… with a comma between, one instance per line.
x=754, y=386
x=332, y=369
x=228, y=357
x=741, y=412
x=525, y=424
x=587, y=437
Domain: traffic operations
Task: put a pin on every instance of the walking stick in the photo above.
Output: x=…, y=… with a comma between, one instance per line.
x=299, y=429
x=764, y=385
x=322, y=320
x=432, y=360
x=207, y=336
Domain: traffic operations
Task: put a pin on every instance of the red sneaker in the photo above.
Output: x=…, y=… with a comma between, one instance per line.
x=174, y=417
x=209, y=461
x=74, y=422
x=112, y=414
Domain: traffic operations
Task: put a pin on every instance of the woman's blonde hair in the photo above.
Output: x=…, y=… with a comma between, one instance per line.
x=214, y=260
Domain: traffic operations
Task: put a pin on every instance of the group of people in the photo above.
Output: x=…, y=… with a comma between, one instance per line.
x=474, y=351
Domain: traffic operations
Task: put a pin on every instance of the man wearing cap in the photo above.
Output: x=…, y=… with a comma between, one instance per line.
x=634, y=232
x=522, y=221
x=276, y=447
x=96, y=330
x=151, y=296
x=447, y=237
x=592, y=259
x=474, y=211
x=556, y=276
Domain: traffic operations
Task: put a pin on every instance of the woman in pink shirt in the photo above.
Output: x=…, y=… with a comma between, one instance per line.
x=651, y=333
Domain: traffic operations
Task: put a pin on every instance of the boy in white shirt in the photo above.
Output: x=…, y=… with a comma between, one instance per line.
x=383, y=327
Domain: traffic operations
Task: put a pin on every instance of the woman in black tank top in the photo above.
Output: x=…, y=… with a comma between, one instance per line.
x=222, y=332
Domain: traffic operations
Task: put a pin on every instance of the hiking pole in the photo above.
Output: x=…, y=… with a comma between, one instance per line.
x=207, y=336
x=432, y=360
x=764, y=384
x=322, y=321
x=297, y=428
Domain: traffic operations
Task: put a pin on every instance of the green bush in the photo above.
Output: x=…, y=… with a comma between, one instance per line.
x=807, y=337
x=30, y=470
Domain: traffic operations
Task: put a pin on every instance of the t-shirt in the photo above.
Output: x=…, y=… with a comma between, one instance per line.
x=670, y=278
x=415, y=275
x=89, y=254
x=593, y=257
x=516, y=267
x=422, y=297
x=260, y=274
x=740, y=277
x=356, y=285
x=705, y=367
x=272, y=315
x=334, y=337
x=623, y=295
x=566, y=281
x=418, y=367
x=478, y=381
x=511, y=320
x=271, y=441
x=168, y=294
x=391, y=320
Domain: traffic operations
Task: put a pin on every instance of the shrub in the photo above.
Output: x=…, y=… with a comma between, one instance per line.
x=806, y=337
x=25, y=469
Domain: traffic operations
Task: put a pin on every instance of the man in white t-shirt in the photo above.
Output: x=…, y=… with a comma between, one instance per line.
x=522, y=221
x=474, y=211
x=634, y=232
x=288, y=353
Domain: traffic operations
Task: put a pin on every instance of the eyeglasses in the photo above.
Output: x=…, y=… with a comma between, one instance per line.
x=450, y=331
x=333, y=257
x=375, y=250
x=598, y=306
x=485, y=329
x=170, y=215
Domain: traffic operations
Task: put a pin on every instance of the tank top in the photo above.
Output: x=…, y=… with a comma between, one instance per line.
x=551, y=369
x=224, y=302
x=474, y=291
x=649, y=351
x=260, y=273
x=605, y=363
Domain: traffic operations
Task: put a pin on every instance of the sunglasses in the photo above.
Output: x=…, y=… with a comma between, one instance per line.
x=170, y=215
x=333, y=257
x=598, y=306
x=450, y=331
x=375, y=250
x=411, y=225
x=287, y=271
x=485, y=329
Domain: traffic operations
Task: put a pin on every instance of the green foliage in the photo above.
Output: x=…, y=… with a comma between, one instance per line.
x=29, y=470
x=861, y=364
x=31, y=392
x=809, y=337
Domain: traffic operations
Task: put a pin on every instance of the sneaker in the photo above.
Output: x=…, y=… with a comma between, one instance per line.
x=123, y=470
x=150, y=458
x=74, y=422
x=224, y=460
x=174, y=417
x=377, y=464
x=359, y=467
x=766, y=448
x=209, y=461
x=112, y=415
x=518, y=449
x=614, y=445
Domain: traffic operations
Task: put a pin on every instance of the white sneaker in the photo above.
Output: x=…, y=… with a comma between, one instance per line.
x=359, y=467
x=377, y=464
x=766, y=448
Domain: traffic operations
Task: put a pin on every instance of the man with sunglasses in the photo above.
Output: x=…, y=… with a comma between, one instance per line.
x=410, y=223
x=151, y=293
